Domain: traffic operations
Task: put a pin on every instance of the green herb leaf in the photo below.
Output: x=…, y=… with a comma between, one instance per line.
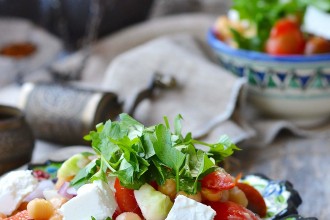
x=137, y=155
x=84, y=174
x=164, y=150
x=262, y=14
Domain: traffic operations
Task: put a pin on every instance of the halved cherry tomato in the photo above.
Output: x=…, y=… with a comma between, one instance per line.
x=256, y=201
x=231, y=210
x=317, y=45
x=116, y=213
x=285, y=38
x=219, y=180
x=126, y=199
x=154, y=184
x=22, y=215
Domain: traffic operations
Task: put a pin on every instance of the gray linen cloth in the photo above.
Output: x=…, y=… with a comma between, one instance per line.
x=211, y=100
x=205, y=96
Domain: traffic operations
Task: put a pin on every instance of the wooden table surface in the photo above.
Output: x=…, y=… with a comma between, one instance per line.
x=303, y=162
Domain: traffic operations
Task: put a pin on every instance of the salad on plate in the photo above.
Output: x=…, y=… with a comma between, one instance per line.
x=277, y=27
x=139, y=172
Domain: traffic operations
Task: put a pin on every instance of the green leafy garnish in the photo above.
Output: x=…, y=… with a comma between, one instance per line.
x=108, y=218
x=262, y=14
x=136, y=155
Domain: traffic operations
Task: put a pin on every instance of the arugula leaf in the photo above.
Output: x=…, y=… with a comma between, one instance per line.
x=177, y=125
x=166, y=153
x=197, y=164
x=137, y=155
x=84, y=174
x=127, y=176
x=222, y=149
x=164, y=150
x=323, y=5
x=93, y=218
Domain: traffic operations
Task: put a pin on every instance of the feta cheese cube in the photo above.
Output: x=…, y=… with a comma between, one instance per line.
x=14, y=187
x=95, y=199
x=186, y=208
x=317, y=22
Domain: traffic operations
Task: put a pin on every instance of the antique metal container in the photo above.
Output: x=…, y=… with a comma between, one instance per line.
x=16, y=139
x=64, y=114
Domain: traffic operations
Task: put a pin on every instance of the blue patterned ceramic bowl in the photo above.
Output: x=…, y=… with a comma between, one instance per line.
x=280, y=197
x=289, y=87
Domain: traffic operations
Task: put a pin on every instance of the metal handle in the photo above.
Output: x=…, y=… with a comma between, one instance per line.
x=158, y=81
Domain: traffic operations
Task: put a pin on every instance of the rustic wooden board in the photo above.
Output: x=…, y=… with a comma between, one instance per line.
x=303, y=162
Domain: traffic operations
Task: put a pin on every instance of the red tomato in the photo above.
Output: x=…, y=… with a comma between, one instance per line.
x=231, y=211
x=117, y=212
x=283, y=26
x=126, y=199
x=219, y=180
x=285, y=38
x=154, y=185
x=317, y=45
x=256, y=201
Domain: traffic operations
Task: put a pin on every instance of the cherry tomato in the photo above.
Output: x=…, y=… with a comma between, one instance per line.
x=231, y=210
x=219, y=180
x=317, y=45
x=283, y=26
x=116, y=213
x=126, y=199
x=285, y=38
x=154, y=184
x=256, y=201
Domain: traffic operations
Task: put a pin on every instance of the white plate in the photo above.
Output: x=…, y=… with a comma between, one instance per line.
x=17, y=31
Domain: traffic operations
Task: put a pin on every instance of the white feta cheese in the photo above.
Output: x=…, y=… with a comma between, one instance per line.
x=317, y=22
x=95, y=199
x=186, y=208
x=14, y=187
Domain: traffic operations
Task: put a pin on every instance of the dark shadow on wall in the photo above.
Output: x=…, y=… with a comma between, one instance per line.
x=68, y=19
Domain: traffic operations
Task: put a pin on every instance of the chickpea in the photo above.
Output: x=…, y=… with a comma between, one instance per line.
x=197, y=197
x=128, y=216
x=40, y=209
x=224, y=196
x=211, y=194
x=168, y=188
x=317, y=45
x=224, y=24
x=57, y=202
x=238, y=196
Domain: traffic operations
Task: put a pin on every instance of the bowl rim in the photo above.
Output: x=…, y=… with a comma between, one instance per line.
x=219, y=45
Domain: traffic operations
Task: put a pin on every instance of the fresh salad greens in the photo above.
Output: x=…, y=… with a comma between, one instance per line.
x=263, y=14
x=137, y=155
